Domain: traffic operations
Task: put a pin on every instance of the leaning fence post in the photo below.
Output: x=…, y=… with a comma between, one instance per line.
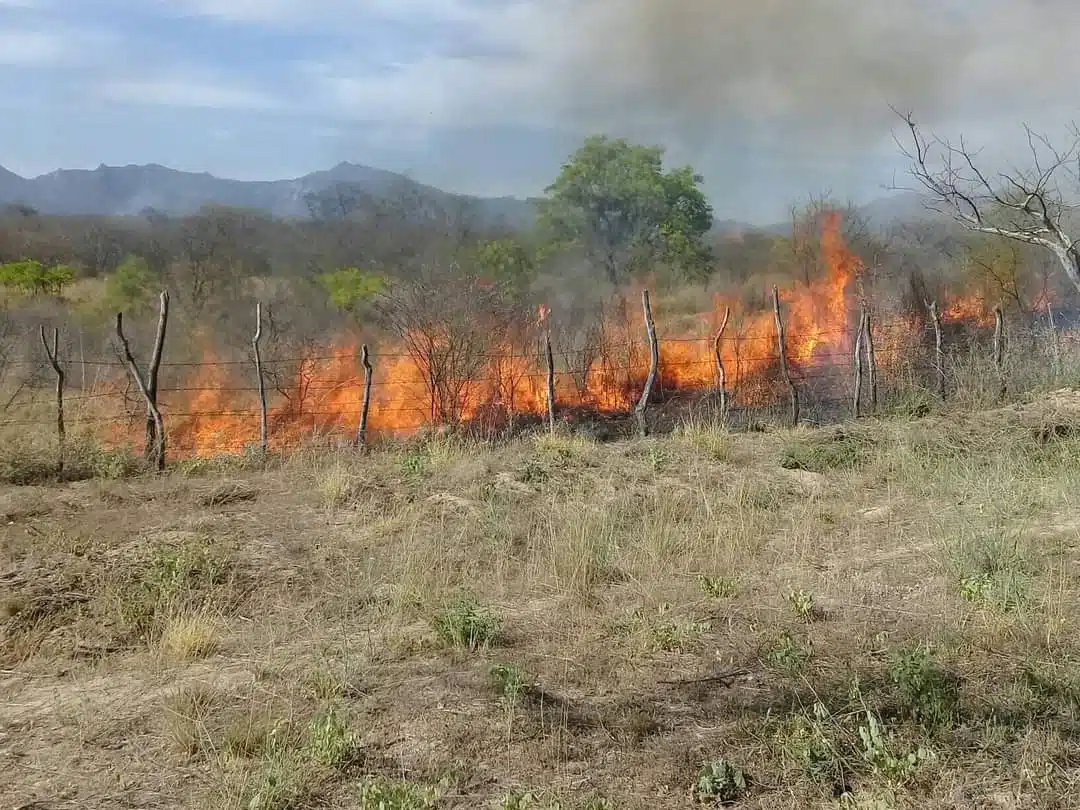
x=264, y=432
x=999, y=350
x=654, y=365
x=721, y=374
x=53, y=354
x=939, y=353
x=859, y=362
x=781, y=343
x=365, y=404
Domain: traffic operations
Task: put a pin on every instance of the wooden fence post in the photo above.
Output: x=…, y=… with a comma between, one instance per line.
x=155, y=449
x=365, y=405
x=721, y=374
x=781, y=344
x=859, y=362
x=871, y=360
x=264, y=431
x=939, y=353
x=1055, y=344
x=550, y=380
x=654, y=366
x=53, y=354
x=999, y=350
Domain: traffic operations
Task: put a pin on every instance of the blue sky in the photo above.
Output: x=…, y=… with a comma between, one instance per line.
x=771, y=99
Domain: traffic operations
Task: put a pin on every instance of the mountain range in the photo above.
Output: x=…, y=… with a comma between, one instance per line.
x=131, y=190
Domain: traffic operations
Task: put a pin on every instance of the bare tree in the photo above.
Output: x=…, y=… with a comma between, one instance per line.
x=449, y=322
x=1026, y=205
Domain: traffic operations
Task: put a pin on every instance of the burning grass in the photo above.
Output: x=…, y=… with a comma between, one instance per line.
x=876, y=615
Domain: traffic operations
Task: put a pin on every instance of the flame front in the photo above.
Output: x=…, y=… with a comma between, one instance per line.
x=214, y=412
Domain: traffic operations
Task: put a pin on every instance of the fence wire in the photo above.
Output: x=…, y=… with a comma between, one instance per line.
x=211, y=405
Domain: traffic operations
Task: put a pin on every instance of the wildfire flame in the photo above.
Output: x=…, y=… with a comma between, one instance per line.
x=325, y=397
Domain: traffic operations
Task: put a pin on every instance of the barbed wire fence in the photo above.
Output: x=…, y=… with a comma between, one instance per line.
x=213, y=406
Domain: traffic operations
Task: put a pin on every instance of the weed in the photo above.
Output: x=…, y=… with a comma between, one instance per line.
x=330, y=741
x=995, y=574
x=324, y=684
x=802, y=603
x=510, y=682
x=189, y=636
x=669, y=636
x=187, y=711
x=720, y=782
x=414, y=463
x=879, y=752
x=383, y=794
x=282, y=781
x=466, y=624
x=169, y=582
x=821, y=453
x=789, y=656
x=927, y=692
x=807, y=741
x=718, y=587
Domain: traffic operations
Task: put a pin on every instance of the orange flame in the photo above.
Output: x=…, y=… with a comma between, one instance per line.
x=324, y=396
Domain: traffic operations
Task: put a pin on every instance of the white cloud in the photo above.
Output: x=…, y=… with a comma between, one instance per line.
x=328, y=15
x=188, y=91
x=28, y=48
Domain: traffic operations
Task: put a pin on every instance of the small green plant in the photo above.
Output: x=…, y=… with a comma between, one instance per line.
x=821, y=453
x=171, y=579
x=668, y=636
x=383, y=794
x=878, y=751
x=718, y=587
x=414, y=462
x=510, y=682
x=720, y=782
x=789, y=656
x=802, y=603
x=282, y=781
x=807, y=741
x=525, y=800
x=466, y=624
x=330, y=741
x=926, y=690
x=324, y=684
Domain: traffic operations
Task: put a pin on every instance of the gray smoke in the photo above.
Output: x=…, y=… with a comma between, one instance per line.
x=818, y=71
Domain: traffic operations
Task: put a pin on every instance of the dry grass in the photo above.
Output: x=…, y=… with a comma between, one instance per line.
x=880, y=615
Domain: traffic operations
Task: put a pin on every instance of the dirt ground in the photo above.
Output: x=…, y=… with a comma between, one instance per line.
x=877, y=615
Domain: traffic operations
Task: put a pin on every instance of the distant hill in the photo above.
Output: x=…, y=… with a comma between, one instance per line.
x=129, y=190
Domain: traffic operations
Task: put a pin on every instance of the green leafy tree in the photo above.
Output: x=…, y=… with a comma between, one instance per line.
x=352, y=288
x=613, y=201
x=130, y=287
x=505, y=261
x=31, y=277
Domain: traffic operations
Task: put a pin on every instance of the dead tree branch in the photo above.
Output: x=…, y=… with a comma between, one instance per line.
x=1022, y=205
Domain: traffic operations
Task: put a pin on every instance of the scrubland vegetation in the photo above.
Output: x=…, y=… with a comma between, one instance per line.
x=877, y=613
x=870, y=615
